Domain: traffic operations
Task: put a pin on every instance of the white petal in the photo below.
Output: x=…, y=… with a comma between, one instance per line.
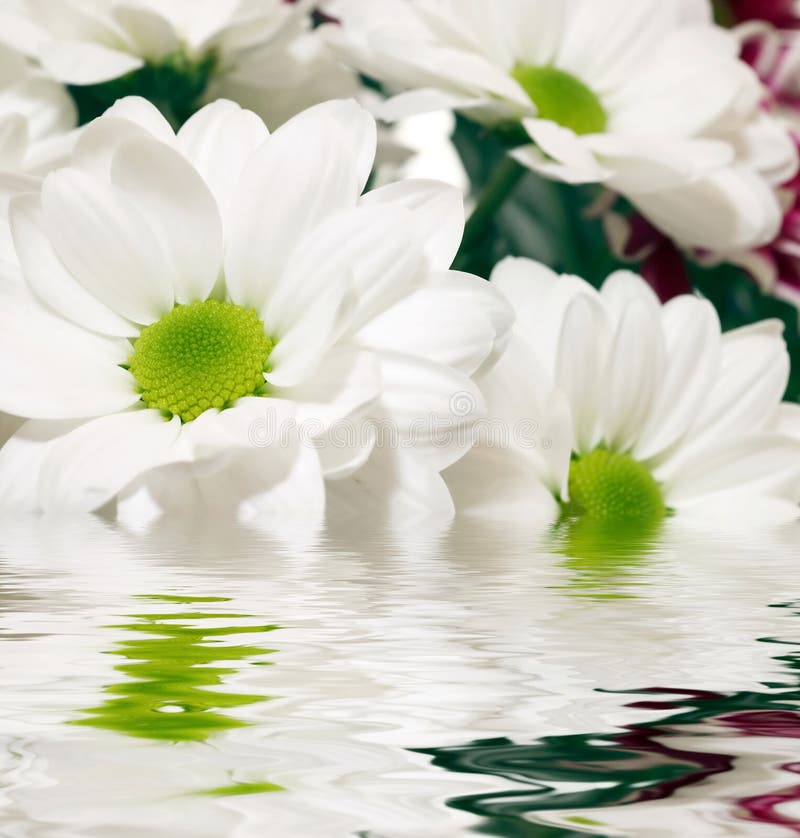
x=369, y=249
x=746, y=463
x=692, y=332
x=179, y=208
x=219, y=140
x=749, y=387
x=347, y=382
x=51, y=369
x=432, y=408
x=309, y=169
x=143, y=113
x=21, y=460
x=395, y=487
x=423, y=100
x=605, y=43
x=494, y=483
x=577, y=163
x=345, y=448
x=644, y=164
x=302, y=347
x=737, y=512
x=789, y=419
x=89, y=466
x=107, y=245
x=731, y=209
x=128, y=118
x=456, y=319
x=438, y=211
x=82, y=62
x=275, y=485
x=13, y=141
x=583, y=347
x=634, y=369
x=530, y=413
x=624, y=286
x=525, y=283
x=152, y=34
x=51, y=281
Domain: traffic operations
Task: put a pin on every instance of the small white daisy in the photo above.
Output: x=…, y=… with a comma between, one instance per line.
x=622, y=410
x=205, y=310
x=180, y=54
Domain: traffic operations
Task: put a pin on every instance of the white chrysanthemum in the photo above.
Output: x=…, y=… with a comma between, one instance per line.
x=180, y=54
x=206, y=311
x=642, y=97
x=620, y=409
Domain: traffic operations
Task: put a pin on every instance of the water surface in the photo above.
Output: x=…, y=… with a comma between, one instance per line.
x=472, y=681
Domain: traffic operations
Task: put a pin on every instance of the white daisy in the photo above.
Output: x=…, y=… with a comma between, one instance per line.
x=623, y=409
x=609, y=91
x=206, y=310
x=180, y=54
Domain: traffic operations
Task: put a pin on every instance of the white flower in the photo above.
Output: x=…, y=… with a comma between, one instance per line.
x=620, y=409
x=223, y=312
x=180, y=54
x=645, y=98
x=602, y=85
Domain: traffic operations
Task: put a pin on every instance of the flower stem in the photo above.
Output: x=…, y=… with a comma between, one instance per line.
x=499, y=187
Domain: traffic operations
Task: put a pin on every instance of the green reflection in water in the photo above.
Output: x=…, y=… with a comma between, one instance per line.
x=604, y=558
x=173, y=667
x=241, y=788
x=639, y=762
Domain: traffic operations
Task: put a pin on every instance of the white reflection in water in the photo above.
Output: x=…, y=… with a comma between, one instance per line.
x=386, y=642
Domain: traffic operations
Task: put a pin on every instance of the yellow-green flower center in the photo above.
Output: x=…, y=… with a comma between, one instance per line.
x=610, y=487
x=562, y=98
x=202, y=355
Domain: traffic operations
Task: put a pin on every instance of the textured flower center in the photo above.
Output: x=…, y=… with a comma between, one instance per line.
x=610, y=487
x=562, y=98
x=175, y=85
x=203, y=355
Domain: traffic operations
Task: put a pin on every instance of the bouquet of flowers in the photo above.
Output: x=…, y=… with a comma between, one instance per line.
x=222, y=290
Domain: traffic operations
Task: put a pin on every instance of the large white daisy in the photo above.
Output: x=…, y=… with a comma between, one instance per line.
x=620, y=409
x=223, y=311
x=644, y=97
x=180, y=53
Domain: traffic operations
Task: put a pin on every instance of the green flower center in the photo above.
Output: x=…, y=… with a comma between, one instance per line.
x=613, y=488
x=175, y=85
x=562, y=98
x=202, y=355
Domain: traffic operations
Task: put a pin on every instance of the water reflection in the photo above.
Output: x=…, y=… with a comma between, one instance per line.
x=171, y=669
x=592, y=771
x=426, y=638
x=606, y=561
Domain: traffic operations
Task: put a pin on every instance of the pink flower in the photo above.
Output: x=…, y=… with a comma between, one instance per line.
x=783, y=13
x=775, y=56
